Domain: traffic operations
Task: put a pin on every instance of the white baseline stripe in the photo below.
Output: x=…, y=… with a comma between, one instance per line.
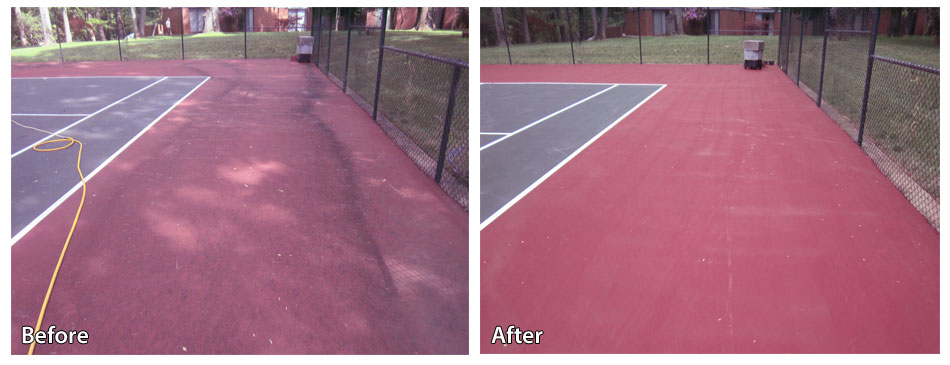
x=562, y=83
x=495, y=133
x=27, y=148
x=47, y=115
x=561, y=164
x=94, y=77
x=89, y=177
x=522, y=129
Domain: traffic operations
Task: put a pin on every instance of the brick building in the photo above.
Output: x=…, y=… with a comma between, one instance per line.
x=259, y=19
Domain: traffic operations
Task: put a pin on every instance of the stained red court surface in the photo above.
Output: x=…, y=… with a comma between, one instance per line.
x=265, y=214
x=728, y=214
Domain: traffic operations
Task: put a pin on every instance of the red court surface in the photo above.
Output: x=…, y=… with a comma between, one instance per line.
x=728, y=214
x=265, y=214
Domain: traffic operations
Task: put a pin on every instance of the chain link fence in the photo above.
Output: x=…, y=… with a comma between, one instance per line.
x=420, y=100
x=624, y=35
x=890, y=107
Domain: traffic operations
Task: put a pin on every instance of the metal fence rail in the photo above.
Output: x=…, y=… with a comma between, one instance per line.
x=889, y=107
x=420, y=100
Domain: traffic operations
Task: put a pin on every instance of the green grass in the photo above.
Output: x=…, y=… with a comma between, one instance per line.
x=228, y=46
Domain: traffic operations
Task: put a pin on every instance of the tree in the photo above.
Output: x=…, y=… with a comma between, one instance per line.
x=208, y=21
x=524, y=27
x=603, y=24
x=501, y=39
x=120, y=33
x=894, y=26
x=593, y=22
x=674, y=21
x=215, y=20
x=135, y=23
x=98, y=24
x=142, y=20
x=429, y=18
x=47, y=26
x=68, y=34
x=20, y=26
x=910, y=22
x=562, y=32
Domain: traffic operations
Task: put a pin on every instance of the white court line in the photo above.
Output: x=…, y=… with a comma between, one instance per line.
x=562, y=83
x=30, y=146
x=561, y=164
x=47, y=115
x=89, y=177
x=495, y=133
x=93, y=77
x=522, y=129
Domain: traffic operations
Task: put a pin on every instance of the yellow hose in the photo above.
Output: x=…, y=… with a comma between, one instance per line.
x=49, y=291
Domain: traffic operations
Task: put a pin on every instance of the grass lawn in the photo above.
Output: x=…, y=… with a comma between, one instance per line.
x=229, y=45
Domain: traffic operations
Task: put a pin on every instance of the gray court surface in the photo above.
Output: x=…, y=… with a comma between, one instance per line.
x=529, y=129
x=105, y=113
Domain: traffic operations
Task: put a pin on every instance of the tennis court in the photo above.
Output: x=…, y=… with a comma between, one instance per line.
x=233, y=207
x=726, y=214
x=531, y=129
x=108, y=112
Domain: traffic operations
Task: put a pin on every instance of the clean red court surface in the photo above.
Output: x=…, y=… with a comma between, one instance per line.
x=265, y=214
x=728, y=214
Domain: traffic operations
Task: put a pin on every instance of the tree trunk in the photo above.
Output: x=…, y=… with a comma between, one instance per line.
x=674, y=21
x=135, y=23
x=911, y=21
x=216, y=20
x=102, y=32
x=47, y=27
x=593, y=22
x=603, y=23
x=66, y=31
x=120, y=31
x=19, y=25
x=562, y=32
x=429, y=18
x=526, y=34
x=500, y=39
x=894, y=27
x=142, y=20
x=208, y=25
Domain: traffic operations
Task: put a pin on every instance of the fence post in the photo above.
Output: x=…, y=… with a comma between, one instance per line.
x=119, y=36
x=63, y=59
x=245, y=33
x=801, y=40
x=504, y=27
x=330, y=41
x=708, y=30
x=824, y=47
x=181, y=23
x=778, y=50
x=640, y=35
x=379, y=64
x=346, y=64
x=570, y=33
x=867, y=78
x=447, y=124
x=316, y=55
x=788, y=42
